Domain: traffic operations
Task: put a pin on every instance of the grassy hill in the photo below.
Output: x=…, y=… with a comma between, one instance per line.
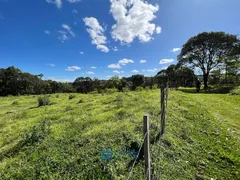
x=65, y=140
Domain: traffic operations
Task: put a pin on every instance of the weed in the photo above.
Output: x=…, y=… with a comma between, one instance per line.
x=43, y=101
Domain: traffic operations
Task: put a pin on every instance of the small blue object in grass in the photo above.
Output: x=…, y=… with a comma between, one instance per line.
x=107, y=154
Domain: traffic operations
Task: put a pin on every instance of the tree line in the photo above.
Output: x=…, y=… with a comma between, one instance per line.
x=215, y=54
x=15, y=82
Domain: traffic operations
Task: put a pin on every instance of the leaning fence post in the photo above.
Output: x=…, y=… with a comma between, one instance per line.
x=146, y=146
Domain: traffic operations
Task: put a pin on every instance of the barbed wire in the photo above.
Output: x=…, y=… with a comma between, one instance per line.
x=130, y=174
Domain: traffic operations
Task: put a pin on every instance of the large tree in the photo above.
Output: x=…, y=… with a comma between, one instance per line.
x=208, y=50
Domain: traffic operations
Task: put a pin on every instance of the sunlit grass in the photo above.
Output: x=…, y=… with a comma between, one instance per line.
x=64, y=139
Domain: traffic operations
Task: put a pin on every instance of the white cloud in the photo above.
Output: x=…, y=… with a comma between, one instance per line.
x=74, y=11
x=90, y=73
x=125, y=61
x=135, y=71
x=73, y=68
x=116, y=71
x=68, y=28
x=114, y=66
x=93, y=67
x=143, y=61
x=175, y=49
x=152, y=70
x=74, y=1
x=47, y=32
x=158, y=30
x=96, y=32
x=63, y=37
x=133, y=20
x=115, y=49
x=166, y=61
x=81, y=52
x=52, y=65
x=58, y=3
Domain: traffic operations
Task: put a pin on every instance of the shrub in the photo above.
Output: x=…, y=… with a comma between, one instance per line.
x=235, y=91
x=139, y=88
x=15, y=103
x=147, y=88
x=57, y=96
x=43, y=101
x=71, y=96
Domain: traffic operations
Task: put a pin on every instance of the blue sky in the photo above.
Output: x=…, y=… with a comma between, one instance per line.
x=65, y=39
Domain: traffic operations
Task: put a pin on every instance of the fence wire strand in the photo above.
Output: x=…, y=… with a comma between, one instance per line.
x=130, y=174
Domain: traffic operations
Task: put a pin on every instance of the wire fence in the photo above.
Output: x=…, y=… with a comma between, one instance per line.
x=161, y=124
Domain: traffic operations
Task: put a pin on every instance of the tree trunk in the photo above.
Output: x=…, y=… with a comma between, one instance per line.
x=205, y=80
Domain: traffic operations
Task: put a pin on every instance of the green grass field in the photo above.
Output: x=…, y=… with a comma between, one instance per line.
x=65, y=140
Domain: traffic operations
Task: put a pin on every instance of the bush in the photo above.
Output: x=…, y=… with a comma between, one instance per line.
x=57, y=96
x=71, y=96
x=235, y=91
x=147, y=88
x=139, y=88
x=15, y=103
x=43, y=101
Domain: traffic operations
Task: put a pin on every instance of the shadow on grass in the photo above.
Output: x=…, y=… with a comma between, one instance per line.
x=211, y=90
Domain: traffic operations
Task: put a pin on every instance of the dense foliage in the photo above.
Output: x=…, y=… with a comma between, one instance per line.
x=15, y=82
x=212, y=50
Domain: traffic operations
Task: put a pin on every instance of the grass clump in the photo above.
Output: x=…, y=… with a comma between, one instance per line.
x=71, y=96
x=80, y=101
x=44, y=101
x=15, y=103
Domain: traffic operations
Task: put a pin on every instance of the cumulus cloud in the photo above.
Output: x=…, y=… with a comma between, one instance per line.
x=143, y=61
x=58, y=3
x=96, y=32
x=116, y=71
x=175, y=49
x=93, y=67
x=90, y=73
x=47, y=32
x=158, y=30
x=152, y=70
x=114, y=66
x=81, y=52
x=74, y=1
x=73, y=68
x=166, y=61
x=135, y=71
x=125, y=61
x=133, y=20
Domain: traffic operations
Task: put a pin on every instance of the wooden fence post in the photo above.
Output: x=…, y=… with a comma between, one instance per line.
x=147, y=147
x=162, y=110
